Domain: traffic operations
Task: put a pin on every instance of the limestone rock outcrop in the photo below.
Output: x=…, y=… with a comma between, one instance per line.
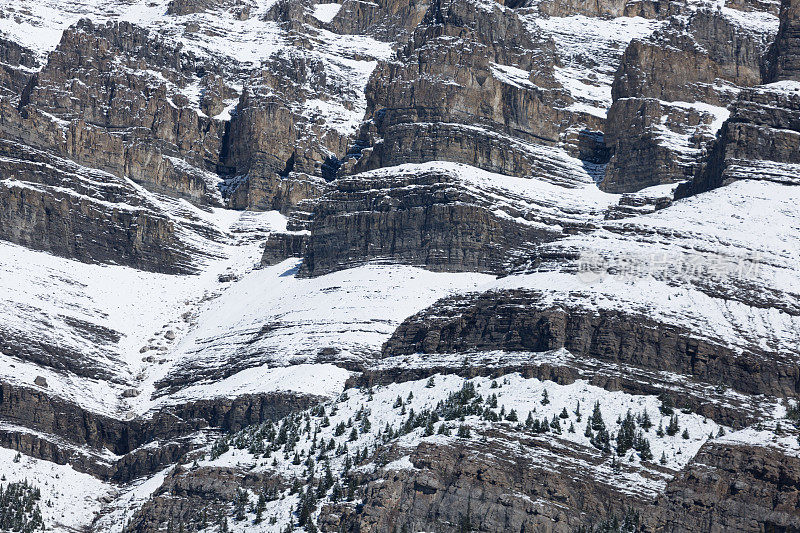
x=783, y=60
x=670, y=94
x=418, y=219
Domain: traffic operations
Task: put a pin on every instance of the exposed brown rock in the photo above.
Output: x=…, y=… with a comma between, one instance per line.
x=494, y=486
x=447, y=95
x=783, y=60
x=759, y=141
x=733, y=487
x=426, y=219
x=389, y=20
x=512, y=321
x=704, y=60
x=137, y=104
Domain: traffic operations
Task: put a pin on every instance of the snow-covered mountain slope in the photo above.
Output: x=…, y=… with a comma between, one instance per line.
x=402, y=265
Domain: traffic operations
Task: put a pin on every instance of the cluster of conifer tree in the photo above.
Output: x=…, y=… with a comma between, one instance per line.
x=19, y=508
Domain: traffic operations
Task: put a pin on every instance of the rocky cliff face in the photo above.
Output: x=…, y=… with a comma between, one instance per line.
x=430, y=102
x=512, y=322
x=670, y=94
x=140, y=106
x=758, y=141
x=418, y=219
x=781, y=62
x=734, y=486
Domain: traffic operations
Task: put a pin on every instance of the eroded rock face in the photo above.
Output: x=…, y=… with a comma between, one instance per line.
x=511, y=321
x=684, y=61
x=783, y=60
x=733, y=486
x=67, y=433
x=486, y=487
x=57, y=206
x=760, y=139
x=103, y=138
x=187, y=7
x=277, y=144
x=758, y=142
x=197, y=498
x=610, y=8
x=17, y=67
x=131, y=88
x=424, y=219
x=655, y=143
x=455, y=94
x=389, y=20
x=704, y=58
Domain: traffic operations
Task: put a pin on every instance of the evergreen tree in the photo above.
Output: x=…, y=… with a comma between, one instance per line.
x=644, y=420
x=667, y=405
x=529, y=420
x=597, y=418
x=602, y=441
x=429, y=427
x=625, y=436
x=672, y=428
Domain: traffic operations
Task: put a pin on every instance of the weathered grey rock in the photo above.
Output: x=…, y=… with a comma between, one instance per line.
x=17, y=68
x=197, y=498
x=454, y=93
x=783, y=60
x=188, y=7
x=512, y=321
x=388, y=20
x=759, y=141
x=655, y=143
x=40, y=210
x=278, y=153
x=761, y=138
x=700, y=59
x=506, y=484
x=425, y=219
x=610, y=8
x=65, y=431
x=101, y=77
x=281, y=246
x=684, y=61
x=732, y=486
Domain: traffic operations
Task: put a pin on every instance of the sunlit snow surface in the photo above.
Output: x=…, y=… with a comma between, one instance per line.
x=69, y=499
x=269, y=330
x=38, y=25
x=353, y=311
x=701, y=263
x=590, y=50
